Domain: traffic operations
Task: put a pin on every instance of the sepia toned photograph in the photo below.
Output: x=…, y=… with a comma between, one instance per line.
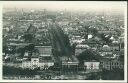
x=57, y=40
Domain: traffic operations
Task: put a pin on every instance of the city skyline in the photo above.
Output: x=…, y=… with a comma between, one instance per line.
x=111, y=6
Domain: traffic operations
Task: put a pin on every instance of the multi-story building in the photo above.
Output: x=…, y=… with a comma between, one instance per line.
x=92, y=65
x=38, y=62
x=109, y=51
x=31, y=63
x=43, y=60
x=110, y=64
x=94, y=43
x=113, y=32
x=69, y=64
x=46, y=61
x=16, y=64
x=77, y=39
x=44, y=50
x=45, y=53
x=80, y=48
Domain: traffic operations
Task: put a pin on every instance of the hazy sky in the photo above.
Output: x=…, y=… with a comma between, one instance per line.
x=69, y=5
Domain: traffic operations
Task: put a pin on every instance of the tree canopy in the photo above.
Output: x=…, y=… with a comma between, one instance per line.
x=88, y=55
x=60, y=40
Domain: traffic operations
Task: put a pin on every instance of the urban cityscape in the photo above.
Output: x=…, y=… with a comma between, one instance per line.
x=41, y=44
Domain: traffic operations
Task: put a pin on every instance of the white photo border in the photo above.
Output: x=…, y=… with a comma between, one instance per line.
x=89, y=81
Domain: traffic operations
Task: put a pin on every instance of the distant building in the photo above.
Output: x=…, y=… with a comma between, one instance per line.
x=36, y=62
x=69, y=64
x=19, y=58
x=93, y=43
x=112, y=47
x=44, y=50
x=80, y=48
x=43, y=61
x=46, y=57
x=90, y=36
x=121, y=40
x=27, y=64
x=77, y=39
x=110, y=64
x=113, y=32
x=46, y=61
x=115, y=47
x=69, y=60
x=106, y=53
x=63, y=22
x=18, y=45
x=5, y=30
x=108, y=50
x=16, y=64
x=92, y=65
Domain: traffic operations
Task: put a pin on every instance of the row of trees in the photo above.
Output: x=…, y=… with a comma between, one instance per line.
x=18, y=71
x=88, y=55
x=60, y=41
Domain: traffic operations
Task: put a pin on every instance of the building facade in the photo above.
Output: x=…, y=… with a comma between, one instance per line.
x=111, y=64
x=43, y=60
x=92, y=64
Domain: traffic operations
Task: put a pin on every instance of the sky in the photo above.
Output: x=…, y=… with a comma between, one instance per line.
x=115, y=6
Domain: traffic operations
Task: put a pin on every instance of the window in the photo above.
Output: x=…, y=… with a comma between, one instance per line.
x=101, y=62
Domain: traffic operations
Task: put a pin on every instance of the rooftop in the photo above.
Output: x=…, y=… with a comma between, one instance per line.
x=46, y=59
x=91, y=61
x=44, y=50
x=82, y=46
x=69, y=59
